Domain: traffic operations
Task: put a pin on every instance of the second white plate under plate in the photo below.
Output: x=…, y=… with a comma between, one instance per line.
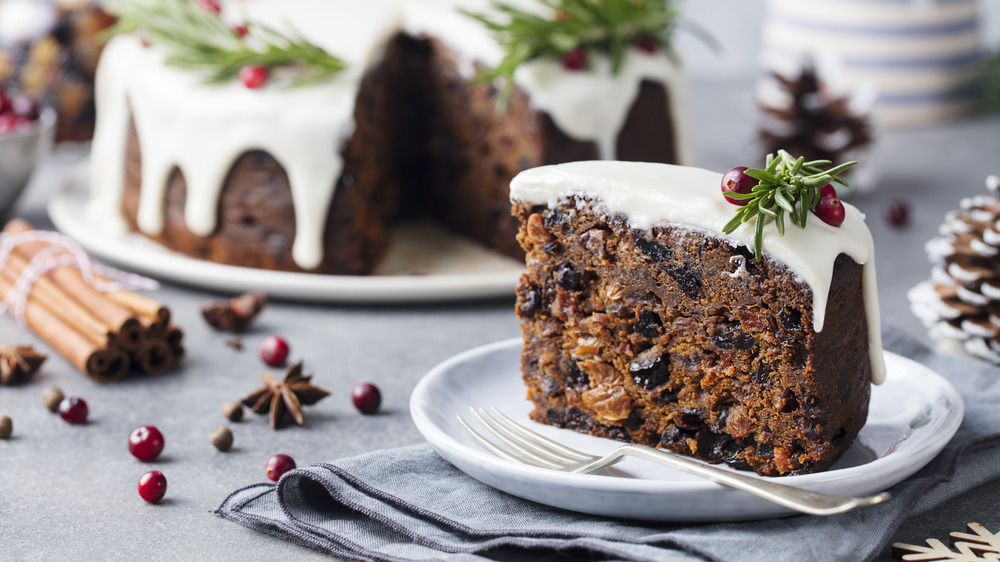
x=424, y=263
x=912, y=416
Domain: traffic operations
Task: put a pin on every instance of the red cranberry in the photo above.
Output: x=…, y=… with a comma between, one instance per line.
x=145, y=442
x=10, y=122
x=253, y=76
x=897, y=212
x=274, y=351
x=278, y=465
x=735, y=181
x=74, y=410
x=366, y=398
x=830, y=210
x=152, y=486
x=575, y=59
x=647, y=44
x=210, y=5
x=240, y=30
x=828, y=191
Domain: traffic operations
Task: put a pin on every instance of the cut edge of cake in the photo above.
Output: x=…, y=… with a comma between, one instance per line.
x=666, y=356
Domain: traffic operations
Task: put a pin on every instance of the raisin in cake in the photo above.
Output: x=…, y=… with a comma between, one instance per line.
x=643, y=323
x=311, y=178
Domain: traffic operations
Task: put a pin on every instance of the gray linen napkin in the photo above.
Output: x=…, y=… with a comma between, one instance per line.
x=409, y=504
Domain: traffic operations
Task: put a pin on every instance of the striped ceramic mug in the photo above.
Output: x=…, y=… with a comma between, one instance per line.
x=921, y=56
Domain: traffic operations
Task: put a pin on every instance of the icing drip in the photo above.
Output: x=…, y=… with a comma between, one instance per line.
x=201, y=129
x=649, y=194
x=301, y=128
x=593, y=105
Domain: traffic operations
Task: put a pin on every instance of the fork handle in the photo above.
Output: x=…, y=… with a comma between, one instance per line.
x=805, y=501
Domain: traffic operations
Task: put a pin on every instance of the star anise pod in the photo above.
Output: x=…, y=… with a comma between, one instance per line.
x=285, y=398
x=18, y=363
x=235, y=314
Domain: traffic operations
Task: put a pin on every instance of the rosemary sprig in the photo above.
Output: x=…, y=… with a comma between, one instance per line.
x=607, y=26
x=199, y=40
x=785, y=185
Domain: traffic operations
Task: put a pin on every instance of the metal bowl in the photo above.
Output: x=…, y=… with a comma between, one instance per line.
x=20, y=153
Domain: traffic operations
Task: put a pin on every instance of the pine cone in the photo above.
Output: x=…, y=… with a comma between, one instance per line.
x=961, y=302
x=811, y=120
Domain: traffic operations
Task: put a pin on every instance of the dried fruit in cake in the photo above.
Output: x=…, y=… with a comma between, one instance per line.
x=673, y=334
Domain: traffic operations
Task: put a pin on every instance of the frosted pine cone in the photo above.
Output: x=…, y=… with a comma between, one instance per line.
x=805, y=116
x=961, y=302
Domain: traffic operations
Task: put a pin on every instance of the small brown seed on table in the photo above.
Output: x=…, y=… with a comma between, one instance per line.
x=52, y=396
x=222, y=438
x=233, y=411
x=6, y=427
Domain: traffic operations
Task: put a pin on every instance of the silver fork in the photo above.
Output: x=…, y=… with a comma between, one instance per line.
x=527, y=447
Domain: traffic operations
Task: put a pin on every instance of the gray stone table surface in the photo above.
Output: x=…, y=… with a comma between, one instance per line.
x=70, y=492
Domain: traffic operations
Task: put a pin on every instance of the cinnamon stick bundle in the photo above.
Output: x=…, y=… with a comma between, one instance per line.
x=103, y=334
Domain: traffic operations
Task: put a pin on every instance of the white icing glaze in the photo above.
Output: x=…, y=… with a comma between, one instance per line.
x=25, y=20
x=172, y=112
x=569, y=97
x=651, y=194
x=202, y=129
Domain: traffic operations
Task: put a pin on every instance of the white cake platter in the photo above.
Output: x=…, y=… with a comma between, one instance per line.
x=425, y=263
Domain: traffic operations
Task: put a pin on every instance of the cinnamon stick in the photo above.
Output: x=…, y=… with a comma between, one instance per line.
x=103, y=334
x=108, y=365
x=155, y=357
x=175, y=339
x=120, y=319
x=61, y=304
x=152, y=314
x=103, y=365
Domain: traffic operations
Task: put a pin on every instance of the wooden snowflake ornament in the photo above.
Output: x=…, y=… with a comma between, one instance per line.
x=980, y=544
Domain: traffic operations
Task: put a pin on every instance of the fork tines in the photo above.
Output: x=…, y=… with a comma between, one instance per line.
x=522, y=445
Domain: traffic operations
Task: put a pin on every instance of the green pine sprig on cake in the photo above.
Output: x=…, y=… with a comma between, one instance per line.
x=574, y=28
x=785, y=185
x=196, y=38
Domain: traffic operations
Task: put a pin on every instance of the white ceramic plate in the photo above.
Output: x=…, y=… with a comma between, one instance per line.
x=424, y=263
x=912, y=417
